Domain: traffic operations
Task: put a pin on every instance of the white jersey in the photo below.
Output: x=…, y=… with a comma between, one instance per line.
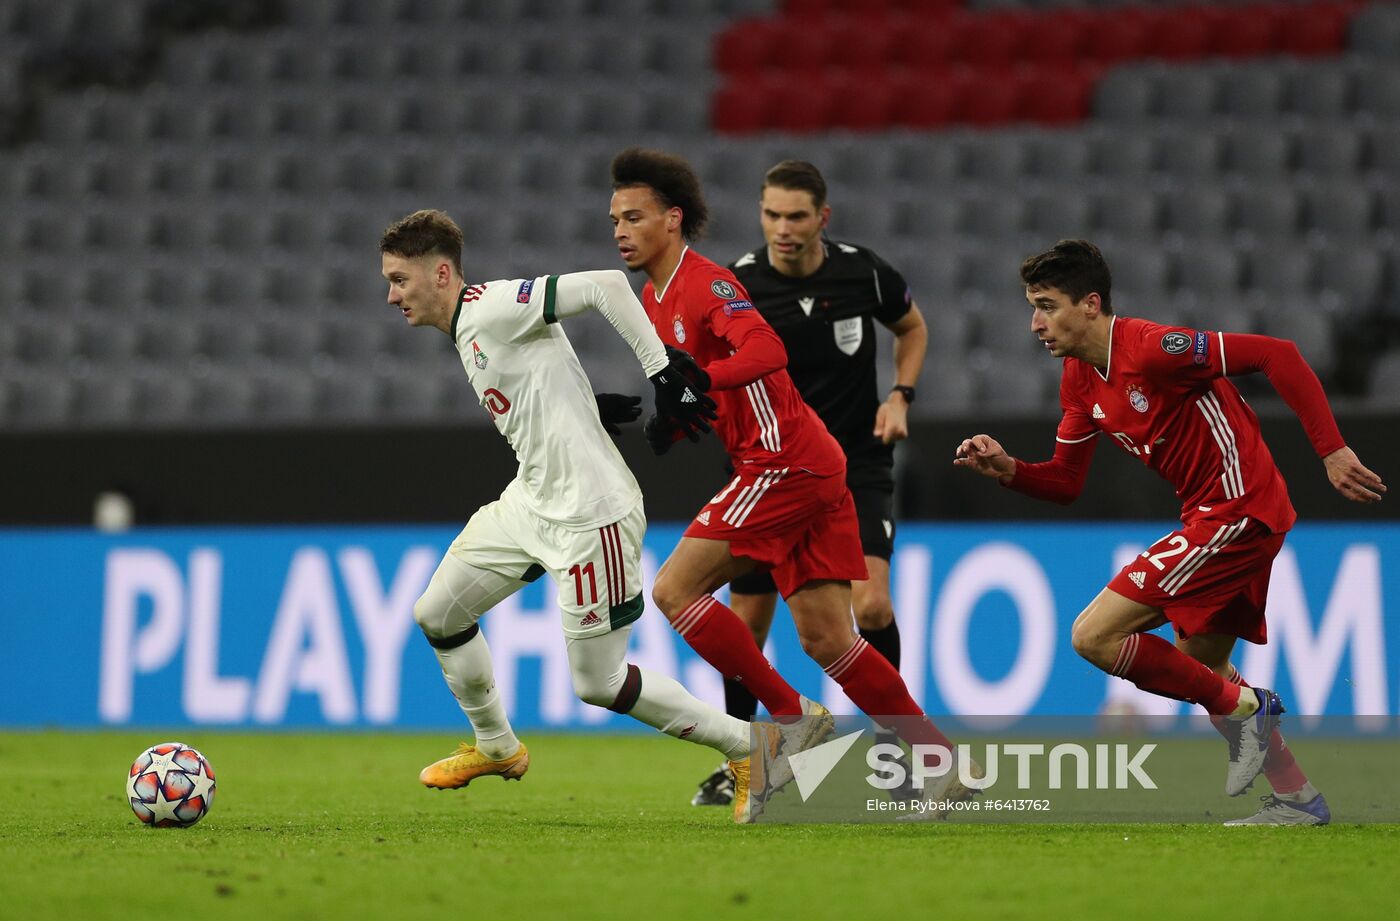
x=529, y=379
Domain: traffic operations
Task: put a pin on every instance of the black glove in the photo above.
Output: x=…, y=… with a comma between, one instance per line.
x=660, y=433
x=616, y=409
x=680, y=394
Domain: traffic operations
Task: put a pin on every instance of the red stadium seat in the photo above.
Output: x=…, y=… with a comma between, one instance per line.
x=991, y=97
x=799, y=103
x=807, y=45
x=741, y=107
x=995, y=38
x=748, y=46
x=861, y=45
x=1120, y=35
x=1246, y=31
x=1056, y=93
x=923, y=44
x=1181, y=34
x=860, y=101
x=925, y=98
x=1061, y=35
x=1318, y=29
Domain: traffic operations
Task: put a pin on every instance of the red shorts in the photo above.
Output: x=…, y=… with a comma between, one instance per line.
x=1209, y=577
x=799, y=526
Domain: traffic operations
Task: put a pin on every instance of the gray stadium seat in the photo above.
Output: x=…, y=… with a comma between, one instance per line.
x=1320, y=91
x=1267, y=212
x=1059, y=156
x=950, y=385
x=1143, y=267
x=172, y=340
x=1283, y=271
x=1191, y=155
x=1384, y=389
x=934, y=217
x=1330, y=149
x=992, y=216
x=1260, y=152
x=164, y=398
x=224, y=397
x=1339, y=210
x=1057, y=214
x=927, y=162
x=348, y=397
x=1384, y=158
x=1355, y=276
x=108, y=401
x=44, y=402
x=1125, y=155
x=1127, y=94
x=1208, y=271
x=1126, y=213
x=1252, y=92
x=1196, y=212
x=996, y=159
x=1187, y=93
x=1378, y=90
x=1375, y=30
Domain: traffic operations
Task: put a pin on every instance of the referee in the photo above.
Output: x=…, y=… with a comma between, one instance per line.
x=823, y=297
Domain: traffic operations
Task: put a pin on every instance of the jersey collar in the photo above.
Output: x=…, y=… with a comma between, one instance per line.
x=1108, y=369
x=659, y=294
x=461, y=299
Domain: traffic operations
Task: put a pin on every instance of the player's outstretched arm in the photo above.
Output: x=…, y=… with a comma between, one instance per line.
x=984, y=454
x=1351, y=478
x=607, y=291
x=1295, y=381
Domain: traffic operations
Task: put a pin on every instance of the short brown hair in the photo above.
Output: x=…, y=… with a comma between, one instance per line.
x=672, y=179
x=1076, y=267
x=424, y=233
x=798, y=175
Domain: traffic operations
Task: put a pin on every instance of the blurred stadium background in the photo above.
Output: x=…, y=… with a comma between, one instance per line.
x=191, y=313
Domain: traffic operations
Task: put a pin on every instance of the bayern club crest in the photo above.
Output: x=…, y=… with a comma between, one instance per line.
x=679, y=329
x=1137, y=398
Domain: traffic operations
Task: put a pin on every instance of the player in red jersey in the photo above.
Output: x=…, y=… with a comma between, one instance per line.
x=1161, y=394
x=787, y=509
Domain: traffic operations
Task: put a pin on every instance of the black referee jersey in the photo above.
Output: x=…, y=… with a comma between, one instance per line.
x=826, y=320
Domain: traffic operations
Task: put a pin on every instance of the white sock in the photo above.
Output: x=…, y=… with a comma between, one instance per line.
x=1304, y=794
x=467, y=669
x=1248, y=705
x=665, y=705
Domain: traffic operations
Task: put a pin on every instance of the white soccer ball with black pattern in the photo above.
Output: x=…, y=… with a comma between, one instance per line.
x=170, y=786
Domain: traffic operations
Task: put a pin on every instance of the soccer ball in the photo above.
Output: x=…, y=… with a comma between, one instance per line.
x=170, y=786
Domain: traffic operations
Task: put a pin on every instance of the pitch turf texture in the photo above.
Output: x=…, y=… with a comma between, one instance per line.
x=336, y=826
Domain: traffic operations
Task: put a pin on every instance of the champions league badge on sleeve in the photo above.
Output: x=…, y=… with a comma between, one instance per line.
x=1175, y=343
x=525, y=288
x=733, y=307
x=723, y=290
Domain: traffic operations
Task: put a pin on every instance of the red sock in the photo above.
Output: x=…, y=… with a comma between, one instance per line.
x=872, y=684
x=1282, y=771
x=725, y=642
x=1158, y=667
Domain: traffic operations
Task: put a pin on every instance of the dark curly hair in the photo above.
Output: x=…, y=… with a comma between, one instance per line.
x=1076, y=267
x=672, y=179
x=422, y=233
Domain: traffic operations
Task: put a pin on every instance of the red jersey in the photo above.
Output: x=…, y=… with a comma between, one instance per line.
x=1164, y=398
x=762, y=418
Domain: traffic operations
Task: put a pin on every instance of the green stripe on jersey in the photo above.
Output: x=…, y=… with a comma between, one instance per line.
x=550, y=284
x=620, y=615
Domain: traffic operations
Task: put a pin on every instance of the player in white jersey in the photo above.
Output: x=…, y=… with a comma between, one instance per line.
x=574, y=510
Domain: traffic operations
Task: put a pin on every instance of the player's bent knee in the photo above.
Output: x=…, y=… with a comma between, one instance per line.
x=1093, y=645
x=599, y=690
x=824, y=649
x=875, y=614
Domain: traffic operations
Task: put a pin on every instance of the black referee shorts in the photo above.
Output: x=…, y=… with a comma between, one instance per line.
x=872, y=488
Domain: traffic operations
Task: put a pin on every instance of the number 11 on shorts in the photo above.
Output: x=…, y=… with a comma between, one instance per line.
x=578, y=573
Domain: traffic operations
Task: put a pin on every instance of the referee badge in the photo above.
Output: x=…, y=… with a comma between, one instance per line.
x=849, y=334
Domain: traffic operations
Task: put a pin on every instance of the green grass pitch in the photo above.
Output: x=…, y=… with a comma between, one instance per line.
x=336, y=826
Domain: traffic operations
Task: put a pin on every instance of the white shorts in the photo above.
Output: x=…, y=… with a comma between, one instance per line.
x=504, y=546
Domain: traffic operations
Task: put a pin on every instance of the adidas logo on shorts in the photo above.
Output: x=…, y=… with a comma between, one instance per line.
x=1138, y=578
x=704, y=517
x=591, y=619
